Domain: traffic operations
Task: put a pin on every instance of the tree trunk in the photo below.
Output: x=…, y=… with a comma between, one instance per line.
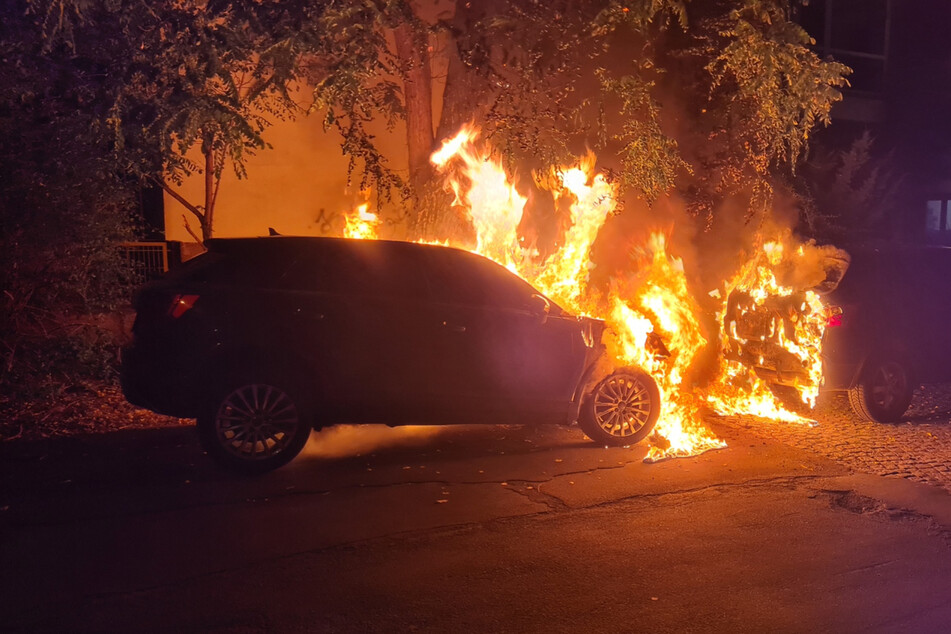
x=412, y=47
x=465, y=95
x=211, y=188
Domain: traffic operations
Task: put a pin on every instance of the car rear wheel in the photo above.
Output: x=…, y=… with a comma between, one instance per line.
x=254, y=425
x=884, y=391
x=622, y=409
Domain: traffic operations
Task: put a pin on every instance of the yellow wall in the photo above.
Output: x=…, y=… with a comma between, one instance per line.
x=286, y=186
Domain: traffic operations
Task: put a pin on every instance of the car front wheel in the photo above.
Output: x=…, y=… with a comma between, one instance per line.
x=254, y=425
x=884, y=391
x=621, y=409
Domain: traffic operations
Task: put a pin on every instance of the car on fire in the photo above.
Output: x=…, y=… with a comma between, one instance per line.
x=888, y=328
x=263, y=339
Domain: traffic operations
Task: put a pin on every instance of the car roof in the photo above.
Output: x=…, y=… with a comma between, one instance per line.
x=291, y=247
x=306, y=243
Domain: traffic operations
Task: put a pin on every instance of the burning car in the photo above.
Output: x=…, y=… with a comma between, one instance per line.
x=882, y=322
x=263, y=339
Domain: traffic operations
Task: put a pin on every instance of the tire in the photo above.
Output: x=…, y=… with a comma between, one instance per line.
x=621, y=409
x=254, y=424
x=884, y=391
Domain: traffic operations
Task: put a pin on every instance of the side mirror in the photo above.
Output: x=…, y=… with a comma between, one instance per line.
x=540, y=307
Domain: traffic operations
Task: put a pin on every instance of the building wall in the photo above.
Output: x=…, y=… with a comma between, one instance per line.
x=302, y=182
x=287, y=187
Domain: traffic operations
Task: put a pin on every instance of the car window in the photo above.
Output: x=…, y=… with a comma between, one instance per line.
x=260, y=269
x=195, y=269
x=457, y=277
x=933, y=278
x=358, y=269
x=910, y=278
x=862, y=279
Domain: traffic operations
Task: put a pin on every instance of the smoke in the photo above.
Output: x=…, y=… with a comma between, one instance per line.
x=817, y=268
x=343, y=441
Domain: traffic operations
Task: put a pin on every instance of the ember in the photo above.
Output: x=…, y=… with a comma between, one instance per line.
x=653, y=318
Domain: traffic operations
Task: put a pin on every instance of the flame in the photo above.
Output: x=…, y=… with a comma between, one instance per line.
x=564, y=275
x=653, y=319
x=482, y=188
x=657, y=303
x=791, y=325
x=361, y=224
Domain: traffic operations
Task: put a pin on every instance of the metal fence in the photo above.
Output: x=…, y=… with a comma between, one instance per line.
x=149, y=260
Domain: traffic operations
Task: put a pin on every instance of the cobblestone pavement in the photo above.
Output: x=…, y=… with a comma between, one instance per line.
x=918, y=448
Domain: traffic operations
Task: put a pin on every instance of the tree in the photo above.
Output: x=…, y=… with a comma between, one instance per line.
x=63, y=209
x=170, y=77
x=714, y=98
x=852, y=194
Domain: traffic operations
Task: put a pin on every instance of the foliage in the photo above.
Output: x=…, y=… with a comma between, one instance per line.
x=717, y=98
x=81, y=407
x=62, y=264
x=768, y=91
x=63, y=209
x=562, y=77
x=355, y=78
x=172, y=77
x=850, y=194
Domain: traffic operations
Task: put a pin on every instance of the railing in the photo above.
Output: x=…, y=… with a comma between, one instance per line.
x=149, y=260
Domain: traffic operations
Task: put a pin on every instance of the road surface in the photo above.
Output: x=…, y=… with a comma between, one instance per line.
x=501, y=529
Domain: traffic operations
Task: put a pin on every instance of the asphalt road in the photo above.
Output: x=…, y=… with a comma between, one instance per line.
x=466, y=529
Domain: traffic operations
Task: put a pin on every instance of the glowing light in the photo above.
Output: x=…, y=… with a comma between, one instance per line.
x=362, y=224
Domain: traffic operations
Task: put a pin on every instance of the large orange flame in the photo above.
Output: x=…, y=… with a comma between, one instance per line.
x=483, y=189
x=656, y=301
x=660, y=304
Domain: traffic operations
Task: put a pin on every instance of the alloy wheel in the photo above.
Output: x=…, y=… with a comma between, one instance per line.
x=888, y=385
x=622, y=405
x=256, y=421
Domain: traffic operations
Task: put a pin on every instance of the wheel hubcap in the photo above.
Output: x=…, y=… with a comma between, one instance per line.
x=256, y=421
x=622, y=405
x=888, y=385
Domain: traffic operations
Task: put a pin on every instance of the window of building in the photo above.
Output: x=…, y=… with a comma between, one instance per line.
x=933, y=216
x=937, y=215
x=854, y=32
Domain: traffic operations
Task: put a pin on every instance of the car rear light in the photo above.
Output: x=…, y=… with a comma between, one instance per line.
x=181, y=304
x=833, y=316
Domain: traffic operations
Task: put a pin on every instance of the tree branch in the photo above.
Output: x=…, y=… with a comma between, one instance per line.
x=188, y=228
x=174, y=194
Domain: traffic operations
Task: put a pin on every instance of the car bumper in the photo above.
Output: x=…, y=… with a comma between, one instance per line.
x=151, y=380
x=840, y=376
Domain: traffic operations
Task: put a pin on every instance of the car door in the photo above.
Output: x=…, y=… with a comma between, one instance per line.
x=499, y=353
x=360, y=320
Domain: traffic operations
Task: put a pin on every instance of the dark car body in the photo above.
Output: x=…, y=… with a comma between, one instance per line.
x=894, y=302
x=363, y=332
x=894, y=330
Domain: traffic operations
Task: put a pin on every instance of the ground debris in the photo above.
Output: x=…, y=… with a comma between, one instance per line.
x=83, y=408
